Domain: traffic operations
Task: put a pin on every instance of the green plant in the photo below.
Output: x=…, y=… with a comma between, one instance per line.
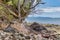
x=20, y=8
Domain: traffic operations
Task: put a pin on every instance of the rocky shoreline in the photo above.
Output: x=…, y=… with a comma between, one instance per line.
x=37, y=32
x=21, y=36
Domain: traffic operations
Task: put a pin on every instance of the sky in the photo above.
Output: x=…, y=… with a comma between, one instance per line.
x=51, y=8
x=51, y=3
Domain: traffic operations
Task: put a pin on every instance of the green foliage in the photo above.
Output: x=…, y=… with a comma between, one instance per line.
x=9, y=3
x=15, y=2
x=25, y=6
x=6, y=14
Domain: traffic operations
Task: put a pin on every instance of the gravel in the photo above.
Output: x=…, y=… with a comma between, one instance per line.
x=20, y=36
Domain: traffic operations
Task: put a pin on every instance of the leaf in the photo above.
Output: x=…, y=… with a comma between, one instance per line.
x=15, y=2
x=9, y=3
x=6, y=14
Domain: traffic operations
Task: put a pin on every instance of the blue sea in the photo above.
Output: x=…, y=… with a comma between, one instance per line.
x=44, y=20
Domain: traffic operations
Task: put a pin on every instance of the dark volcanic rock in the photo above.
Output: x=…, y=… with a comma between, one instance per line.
x=37, y=27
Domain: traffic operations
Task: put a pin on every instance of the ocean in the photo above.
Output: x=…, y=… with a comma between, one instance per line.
x=44, y=20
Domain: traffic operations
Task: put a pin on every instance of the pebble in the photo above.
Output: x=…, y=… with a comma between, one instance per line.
x=20, y=36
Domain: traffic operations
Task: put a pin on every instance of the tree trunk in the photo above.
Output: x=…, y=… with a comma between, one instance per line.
x=20, y=27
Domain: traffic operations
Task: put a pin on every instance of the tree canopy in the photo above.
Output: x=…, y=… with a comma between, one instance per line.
x=17, y=8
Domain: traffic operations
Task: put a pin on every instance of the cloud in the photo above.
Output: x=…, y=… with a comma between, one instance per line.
x=35, y=15
x=50, y=9
x=49, y=12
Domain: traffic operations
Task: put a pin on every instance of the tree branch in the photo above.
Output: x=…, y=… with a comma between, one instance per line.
x=13, y=13
x=19, y=11
x=34, y=6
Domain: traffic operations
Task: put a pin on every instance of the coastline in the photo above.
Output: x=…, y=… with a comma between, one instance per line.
x=52, y=31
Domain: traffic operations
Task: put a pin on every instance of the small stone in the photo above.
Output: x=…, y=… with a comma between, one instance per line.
x=21, y=35
x=46, y=35
x=27, y=37
x=39, y=37
x=7, y=38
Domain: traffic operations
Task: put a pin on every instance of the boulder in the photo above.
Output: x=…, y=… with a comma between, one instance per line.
x=37, y=27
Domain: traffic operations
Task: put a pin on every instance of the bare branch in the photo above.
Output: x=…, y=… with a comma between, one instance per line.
x=35, y=3
x=34, y=6
x=19, y=10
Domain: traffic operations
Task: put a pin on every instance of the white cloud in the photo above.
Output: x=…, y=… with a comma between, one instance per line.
x=35, y=15
x=42, y=11
x=50, y=9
